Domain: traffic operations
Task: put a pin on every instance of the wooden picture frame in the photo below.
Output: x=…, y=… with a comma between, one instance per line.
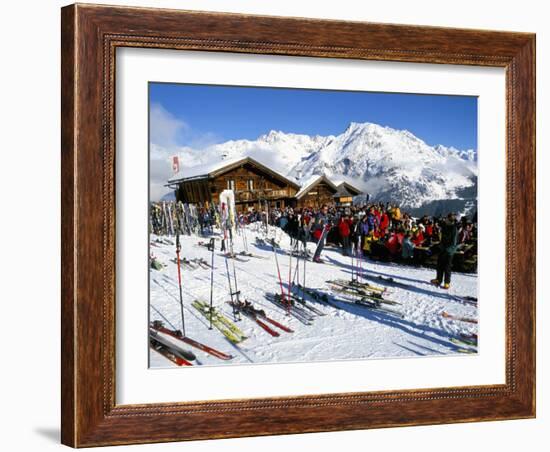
x=90, y=36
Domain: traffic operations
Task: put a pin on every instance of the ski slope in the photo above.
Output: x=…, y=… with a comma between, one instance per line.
x=352, y=332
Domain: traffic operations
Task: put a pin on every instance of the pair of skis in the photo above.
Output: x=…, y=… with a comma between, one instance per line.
x=446, y=315
x=193, y=264
x=291, y=309
x=249, y=254
x=297, y=299
x=259, y=317
x=466, y=339
x=231, y=331
x=373, y=304
x=466, y=342
x=318, y=296
x=234, y=256
x=174, y=354
x=361, y=293
x=158, y=327
x=356, y=283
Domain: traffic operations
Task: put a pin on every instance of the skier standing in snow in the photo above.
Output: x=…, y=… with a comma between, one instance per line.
x=322, y=222
x=292, y=227
x=448, y=246
x=354, y=234
x=344, y=230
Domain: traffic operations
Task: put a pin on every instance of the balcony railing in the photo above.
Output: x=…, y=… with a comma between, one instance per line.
x=253, y=195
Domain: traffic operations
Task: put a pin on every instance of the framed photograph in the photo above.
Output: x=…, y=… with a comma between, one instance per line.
x=282, y=225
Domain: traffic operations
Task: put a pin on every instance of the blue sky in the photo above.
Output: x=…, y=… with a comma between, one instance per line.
x=201, y=115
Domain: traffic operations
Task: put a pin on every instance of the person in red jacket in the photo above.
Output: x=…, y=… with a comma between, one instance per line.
x=384, y=222
x=393, y=245
x=418, y=237
x=344, y=228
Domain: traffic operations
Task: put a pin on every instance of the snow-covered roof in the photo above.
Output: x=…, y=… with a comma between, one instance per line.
x=221, y=166
x=342, y=192
x=204, y=170
x=313, y=181
x=348, y=186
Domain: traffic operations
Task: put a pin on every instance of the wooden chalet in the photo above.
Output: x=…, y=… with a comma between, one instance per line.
x=254, y=184
x=345, y=193
x=316, y=192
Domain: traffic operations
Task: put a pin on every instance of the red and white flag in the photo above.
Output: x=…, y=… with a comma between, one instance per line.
x=175, y=164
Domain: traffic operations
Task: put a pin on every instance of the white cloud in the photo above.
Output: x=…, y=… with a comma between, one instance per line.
x=164, y=128
x=166, y=135
x=165, y=131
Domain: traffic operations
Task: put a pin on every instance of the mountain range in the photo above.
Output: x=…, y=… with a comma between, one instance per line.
x=388, y=164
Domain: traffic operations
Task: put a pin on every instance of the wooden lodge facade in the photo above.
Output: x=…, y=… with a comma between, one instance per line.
x=254, y=185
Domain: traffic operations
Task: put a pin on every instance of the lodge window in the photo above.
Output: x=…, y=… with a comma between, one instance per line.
x=231, y=184
x=250, y=184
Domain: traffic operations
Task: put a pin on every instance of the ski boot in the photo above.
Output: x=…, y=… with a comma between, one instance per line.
x=446, y=286
x=435, y=282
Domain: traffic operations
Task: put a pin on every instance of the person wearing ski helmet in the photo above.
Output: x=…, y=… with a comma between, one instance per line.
x=447, y=249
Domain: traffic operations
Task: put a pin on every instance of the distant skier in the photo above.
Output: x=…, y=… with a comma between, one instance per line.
x=447, y=246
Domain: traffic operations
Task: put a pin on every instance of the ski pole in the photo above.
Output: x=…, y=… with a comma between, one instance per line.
x=278, y=272
x=178, y=248
x=212, y=243
x=289, y=279
x=297, y=272
x=304, y=277
x=224, y=225
x=234, y=269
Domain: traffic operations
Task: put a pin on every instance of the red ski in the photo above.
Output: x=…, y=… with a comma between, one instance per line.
x=252, y=314
x=462, y=319
x=277, y=324
x=158, y=326
x=263, y=325
x=168, y=354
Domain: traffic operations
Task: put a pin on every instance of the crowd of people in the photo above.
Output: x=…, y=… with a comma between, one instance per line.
x=380, y=230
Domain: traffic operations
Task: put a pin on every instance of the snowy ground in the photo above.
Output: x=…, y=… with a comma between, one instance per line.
x=353, y=332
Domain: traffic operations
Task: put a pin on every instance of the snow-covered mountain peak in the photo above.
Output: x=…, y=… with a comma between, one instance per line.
x=389, y=164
